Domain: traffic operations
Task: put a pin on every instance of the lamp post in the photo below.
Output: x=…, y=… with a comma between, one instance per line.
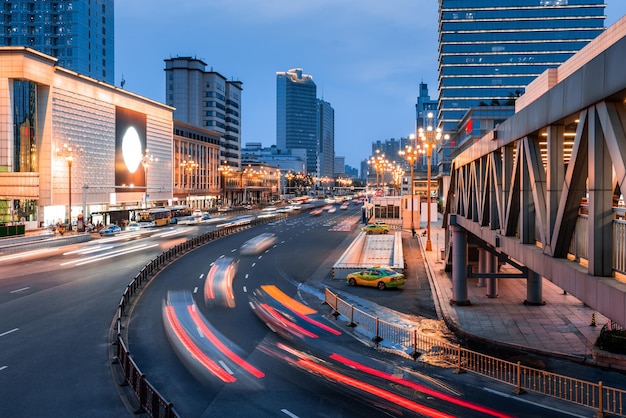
x=410, y=154
x=146, y=160
x=188, y=165
x=224, y=170
x=429, y=137
x=68, y=152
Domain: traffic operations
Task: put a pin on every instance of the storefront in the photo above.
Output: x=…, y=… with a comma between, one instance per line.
x=74, y=146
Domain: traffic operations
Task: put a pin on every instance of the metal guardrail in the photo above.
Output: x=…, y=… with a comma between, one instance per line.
x=150, y=400
x=592, y=395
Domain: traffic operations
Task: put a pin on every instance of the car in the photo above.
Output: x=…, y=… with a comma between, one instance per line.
x=133, y=226
x=110, y=230
x=218, y=285
x=258, y=244
x=377, y=276
x=376, y=228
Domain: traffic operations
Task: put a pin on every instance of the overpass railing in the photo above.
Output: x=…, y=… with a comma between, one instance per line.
x=579, y=246
x=150, y=400
x=592, y=395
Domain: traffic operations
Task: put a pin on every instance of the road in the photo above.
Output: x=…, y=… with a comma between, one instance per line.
x=56, y=309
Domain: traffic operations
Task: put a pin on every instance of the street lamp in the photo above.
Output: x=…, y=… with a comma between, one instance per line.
x=429, y=137
x=146, y=160
x=68, y=152
x=225, y=171
x=188, y=165
x=410, y=154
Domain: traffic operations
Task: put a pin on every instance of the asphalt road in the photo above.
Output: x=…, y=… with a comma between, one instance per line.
x=56, y=309
x=303, y=244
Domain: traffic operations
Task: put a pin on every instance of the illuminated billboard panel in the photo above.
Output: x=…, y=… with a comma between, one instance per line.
x=130, y=146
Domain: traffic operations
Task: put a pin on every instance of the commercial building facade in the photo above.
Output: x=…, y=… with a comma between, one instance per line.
x=80, y=34
x=70, y=141
x=326, y=139
x=296, y=114
x=489, y=51
x=208, y=100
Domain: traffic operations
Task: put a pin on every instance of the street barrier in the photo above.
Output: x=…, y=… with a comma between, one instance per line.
x=150, y=400
x=592, y=395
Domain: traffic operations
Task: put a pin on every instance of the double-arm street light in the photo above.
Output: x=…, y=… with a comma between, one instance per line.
x=430, y=137
x=188, y=165
x=225, y=171
x=69, y=153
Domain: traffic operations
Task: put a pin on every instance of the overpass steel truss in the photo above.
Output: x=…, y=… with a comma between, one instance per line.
x=519, y=188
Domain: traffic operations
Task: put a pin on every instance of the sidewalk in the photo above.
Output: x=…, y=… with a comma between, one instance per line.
x=561, y=327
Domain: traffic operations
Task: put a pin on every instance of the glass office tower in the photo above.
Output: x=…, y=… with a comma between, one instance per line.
x=490, y=50
x=78, y=33
x=296, y=114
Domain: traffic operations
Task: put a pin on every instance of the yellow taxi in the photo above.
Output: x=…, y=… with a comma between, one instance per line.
x=377, y=276
x=376, y=228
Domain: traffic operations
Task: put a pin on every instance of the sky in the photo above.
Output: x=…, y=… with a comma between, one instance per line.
x=366, y=57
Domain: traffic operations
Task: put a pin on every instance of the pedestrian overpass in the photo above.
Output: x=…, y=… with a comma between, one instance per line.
x=541, y=192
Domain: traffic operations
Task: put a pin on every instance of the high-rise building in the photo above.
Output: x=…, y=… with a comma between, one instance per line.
x=326, y=139
x=208, y=100
x=490, y=50
x=296, y=114
x=78, y=33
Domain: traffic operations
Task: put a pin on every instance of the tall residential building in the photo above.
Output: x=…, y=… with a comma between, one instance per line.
x=208, y=100
x=296, y=114
x=490, y=50
x=326, y=139
x=78, y=33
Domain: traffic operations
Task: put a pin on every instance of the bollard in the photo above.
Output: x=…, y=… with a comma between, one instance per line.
x=593, y=320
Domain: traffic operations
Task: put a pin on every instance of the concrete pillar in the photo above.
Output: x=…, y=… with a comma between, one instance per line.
x=482, y=266
x=534, y=294
x=492, y=283
x=459, y=266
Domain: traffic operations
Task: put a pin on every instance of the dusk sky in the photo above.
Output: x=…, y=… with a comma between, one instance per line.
x=366, y=57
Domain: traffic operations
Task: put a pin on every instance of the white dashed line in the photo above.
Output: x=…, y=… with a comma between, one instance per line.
x=8, y=332
x=20, y=290
x=289, y=414
x=195, y=289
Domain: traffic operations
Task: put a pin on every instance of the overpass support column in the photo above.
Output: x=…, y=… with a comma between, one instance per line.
x=482, y=266
x=534, y=294
x=492, y=283
x=459, y=266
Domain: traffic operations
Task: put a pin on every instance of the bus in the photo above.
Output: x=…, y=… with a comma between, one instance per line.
x=154, y=217
x=179, y=212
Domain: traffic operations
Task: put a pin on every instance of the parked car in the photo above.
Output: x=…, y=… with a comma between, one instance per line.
x=381, y=277
x=376, y=228
x=110, y=230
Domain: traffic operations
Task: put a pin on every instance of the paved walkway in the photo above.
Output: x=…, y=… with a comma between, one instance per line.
x=562, y=326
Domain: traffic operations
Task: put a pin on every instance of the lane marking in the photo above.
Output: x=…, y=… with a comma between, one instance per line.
x=246, y=276
x=225, y=366
x=195, y=289
x=3, y=367
x=506, y=395
x=20, y=290
x=289, y=414
x=9, y=332
x=245, y=289
x=201, y=276
x=233, y=250
x=253, y=264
